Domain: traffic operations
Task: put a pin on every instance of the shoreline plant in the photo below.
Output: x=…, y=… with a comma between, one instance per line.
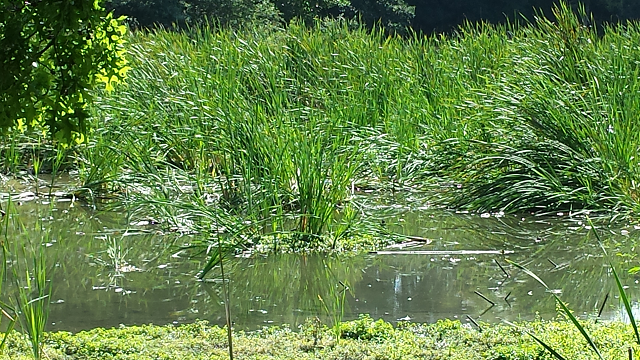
x=488, y=119
x=282, y=125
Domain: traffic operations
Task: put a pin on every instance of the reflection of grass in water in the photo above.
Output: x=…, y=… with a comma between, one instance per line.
x=578, y=258
x=570, y=315
x=143, y=247
x=117, y=263
x=75, y=235
x=115, y=255
x=334, y=306
x=290, y=282
x=217, y=257
x=574, y=320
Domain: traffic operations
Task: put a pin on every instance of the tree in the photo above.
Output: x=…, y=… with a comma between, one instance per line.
x=307, y=10
x=232, y=12
x=393, y=15
x=149, y=13
x=53, y=53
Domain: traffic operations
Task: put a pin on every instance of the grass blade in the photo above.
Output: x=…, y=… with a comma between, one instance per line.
x=563, y=306
x=549, y=348
x=528, y=272
x=623, y=294
x=215, y=257
x=625, y=301
x=578, y=325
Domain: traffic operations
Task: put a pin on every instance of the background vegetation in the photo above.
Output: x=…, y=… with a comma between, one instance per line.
x=422, y=15
x=258, y=132
x=396, y=15
x=265, y=130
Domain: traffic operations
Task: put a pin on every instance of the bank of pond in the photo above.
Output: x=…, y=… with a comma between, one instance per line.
x=360, y=339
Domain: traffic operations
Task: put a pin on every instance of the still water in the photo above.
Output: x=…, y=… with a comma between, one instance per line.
x=106, y=272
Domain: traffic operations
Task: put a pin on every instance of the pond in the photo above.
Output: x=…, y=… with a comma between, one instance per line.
x=106, y=272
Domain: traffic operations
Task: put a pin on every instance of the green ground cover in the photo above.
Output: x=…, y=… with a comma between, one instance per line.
x=361, y=339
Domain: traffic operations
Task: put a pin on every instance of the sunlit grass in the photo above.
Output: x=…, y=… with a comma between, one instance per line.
x=273, y=129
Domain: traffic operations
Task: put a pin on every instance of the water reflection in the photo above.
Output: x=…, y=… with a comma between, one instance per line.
x=105, y=275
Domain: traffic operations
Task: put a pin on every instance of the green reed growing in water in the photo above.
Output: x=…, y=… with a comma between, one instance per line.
x=29, y=305
x=32, y=300
x=270, y=129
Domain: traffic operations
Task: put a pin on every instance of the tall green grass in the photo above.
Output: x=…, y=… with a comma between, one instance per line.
x=7, y=311
x=569, y=109
x=25, y=266
x=275, y=127
x=32, y=299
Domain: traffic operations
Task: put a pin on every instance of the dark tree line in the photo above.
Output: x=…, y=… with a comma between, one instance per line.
x=393, y=14
x=446, y=15
x=422, y=15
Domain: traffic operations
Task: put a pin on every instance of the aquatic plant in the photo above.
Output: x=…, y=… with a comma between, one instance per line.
x=7, y=312
x=32, y=300
x=25, y=265
x=334, y=306
x=273, y=129
x=217, y=255
x=569, y=135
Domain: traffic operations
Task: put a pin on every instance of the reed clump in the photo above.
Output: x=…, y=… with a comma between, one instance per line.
x=264, y=130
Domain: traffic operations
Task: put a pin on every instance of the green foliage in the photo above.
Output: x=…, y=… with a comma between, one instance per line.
x=199, y=341
x=365, y=328
x=54, y=52
x=233, y=13
x=393, y=15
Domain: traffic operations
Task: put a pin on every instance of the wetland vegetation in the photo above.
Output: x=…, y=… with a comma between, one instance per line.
x=262, y=131
x=363, y=339
x=264, y=139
